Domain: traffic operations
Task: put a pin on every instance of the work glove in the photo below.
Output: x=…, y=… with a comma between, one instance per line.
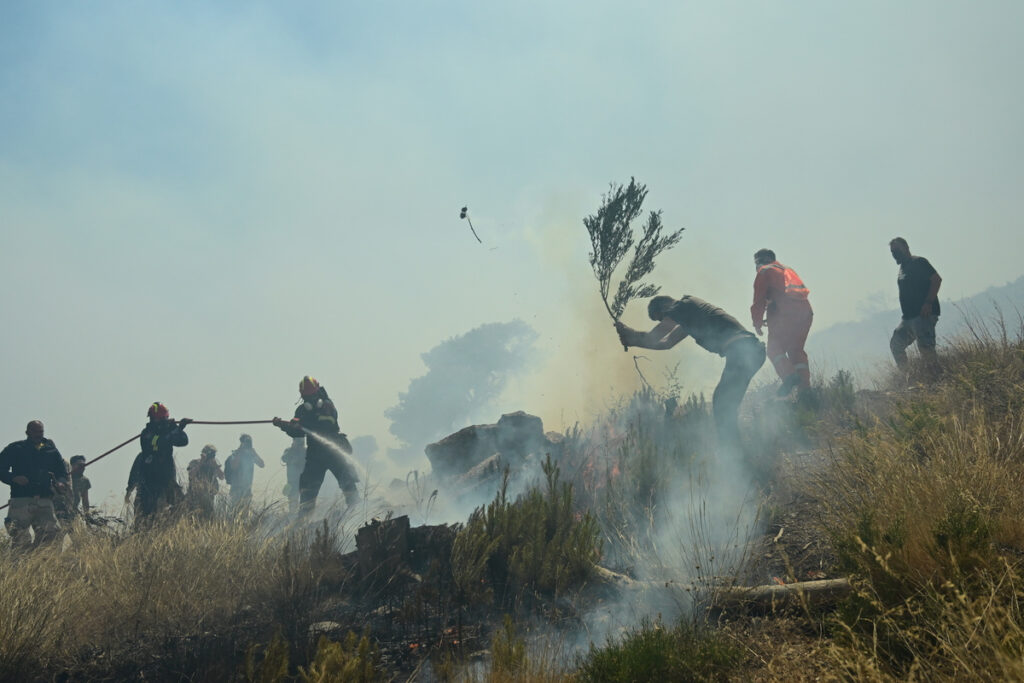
x=184, y=422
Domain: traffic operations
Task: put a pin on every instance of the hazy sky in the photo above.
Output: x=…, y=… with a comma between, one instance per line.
x=199, y=204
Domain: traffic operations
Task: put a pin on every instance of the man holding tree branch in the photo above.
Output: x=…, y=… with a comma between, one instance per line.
x=714, y=330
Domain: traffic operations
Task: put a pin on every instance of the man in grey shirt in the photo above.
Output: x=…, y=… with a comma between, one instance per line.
x=239, y=469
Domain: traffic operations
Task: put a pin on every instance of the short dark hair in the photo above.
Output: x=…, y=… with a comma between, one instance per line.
x=900, y=241
x=764, y=256
x=657, y=306
x=77, y=458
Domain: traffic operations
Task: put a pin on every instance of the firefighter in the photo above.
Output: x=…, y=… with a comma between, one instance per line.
x=203, y=475
x=153, y=476
x=294, y=459
x=316, y=418
x=714, y=330
x=33, y=468
x=780, y=302
x=80, y=484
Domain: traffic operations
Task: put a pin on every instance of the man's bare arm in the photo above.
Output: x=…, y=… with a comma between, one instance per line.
x=677, y=335
x=665, y=335
x=933, y=293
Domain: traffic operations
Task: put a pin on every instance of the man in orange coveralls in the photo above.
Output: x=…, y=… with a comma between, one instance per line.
x=781, y=294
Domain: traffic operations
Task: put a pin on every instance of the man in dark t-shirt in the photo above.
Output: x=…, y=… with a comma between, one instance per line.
x=919, y=289
x=714, y=330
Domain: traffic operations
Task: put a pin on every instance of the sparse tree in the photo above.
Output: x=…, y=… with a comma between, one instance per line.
x=611, y=238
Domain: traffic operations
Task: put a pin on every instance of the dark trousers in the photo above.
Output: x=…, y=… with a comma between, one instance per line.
x=154, y=497
x=318, y=463
x=743, y=358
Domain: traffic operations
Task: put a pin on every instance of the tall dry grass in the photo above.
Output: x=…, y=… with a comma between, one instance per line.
x=184, y=595
x=924, y=507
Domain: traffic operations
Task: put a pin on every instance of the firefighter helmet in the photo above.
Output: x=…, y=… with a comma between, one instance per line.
x=158, y=411
x=309, y=387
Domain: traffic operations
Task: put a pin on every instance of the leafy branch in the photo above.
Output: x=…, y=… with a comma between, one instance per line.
x=611, y=238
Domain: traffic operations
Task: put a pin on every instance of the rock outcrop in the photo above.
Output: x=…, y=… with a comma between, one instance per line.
x=478, y=451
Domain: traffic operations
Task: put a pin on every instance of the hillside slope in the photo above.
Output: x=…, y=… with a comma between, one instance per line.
x=863, y=344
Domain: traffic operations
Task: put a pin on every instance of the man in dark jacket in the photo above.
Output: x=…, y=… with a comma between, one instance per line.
x=317, y=419
x=714, y=330
x=32, y=468
x=153, y=475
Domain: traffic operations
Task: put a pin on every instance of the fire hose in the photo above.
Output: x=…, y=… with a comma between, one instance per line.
x=194, y=422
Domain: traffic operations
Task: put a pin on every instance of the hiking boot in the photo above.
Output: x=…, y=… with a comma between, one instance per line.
x=787, y=385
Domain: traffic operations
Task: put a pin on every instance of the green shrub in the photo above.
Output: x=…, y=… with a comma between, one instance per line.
x=539, y=543
x=273, y=666
x=356, y=660
x=651, y=652
x=508, y=649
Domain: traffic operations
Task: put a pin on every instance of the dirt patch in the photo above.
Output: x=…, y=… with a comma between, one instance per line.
x=779, y=648
x=794, y=547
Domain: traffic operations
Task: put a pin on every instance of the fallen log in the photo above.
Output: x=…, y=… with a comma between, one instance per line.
x=771, y=595
x=776, y=594
x=606, y=577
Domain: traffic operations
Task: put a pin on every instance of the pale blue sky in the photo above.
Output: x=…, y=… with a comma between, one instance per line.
x=199, y=204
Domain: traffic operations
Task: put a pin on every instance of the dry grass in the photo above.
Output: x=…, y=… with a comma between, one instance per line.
x=182, y=594
x=924, y=508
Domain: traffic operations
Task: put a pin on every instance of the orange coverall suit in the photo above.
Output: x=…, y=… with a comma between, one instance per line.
x=779, y=292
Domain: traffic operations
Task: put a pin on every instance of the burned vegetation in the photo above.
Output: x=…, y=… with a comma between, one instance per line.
x=864, y=534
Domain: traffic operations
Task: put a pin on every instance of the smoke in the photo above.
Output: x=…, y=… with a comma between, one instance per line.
x=585, y=370
x=364, y=447
x=465, y=376
x=678, y=509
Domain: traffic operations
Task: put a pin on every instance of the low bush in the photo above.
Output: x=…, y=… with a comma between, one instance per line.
x=686, y=651
x=537, y=544
x=354, y=660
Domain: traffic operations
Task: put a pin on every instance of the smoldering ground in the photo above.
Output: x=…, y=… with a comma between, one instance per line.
x=677, y=510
